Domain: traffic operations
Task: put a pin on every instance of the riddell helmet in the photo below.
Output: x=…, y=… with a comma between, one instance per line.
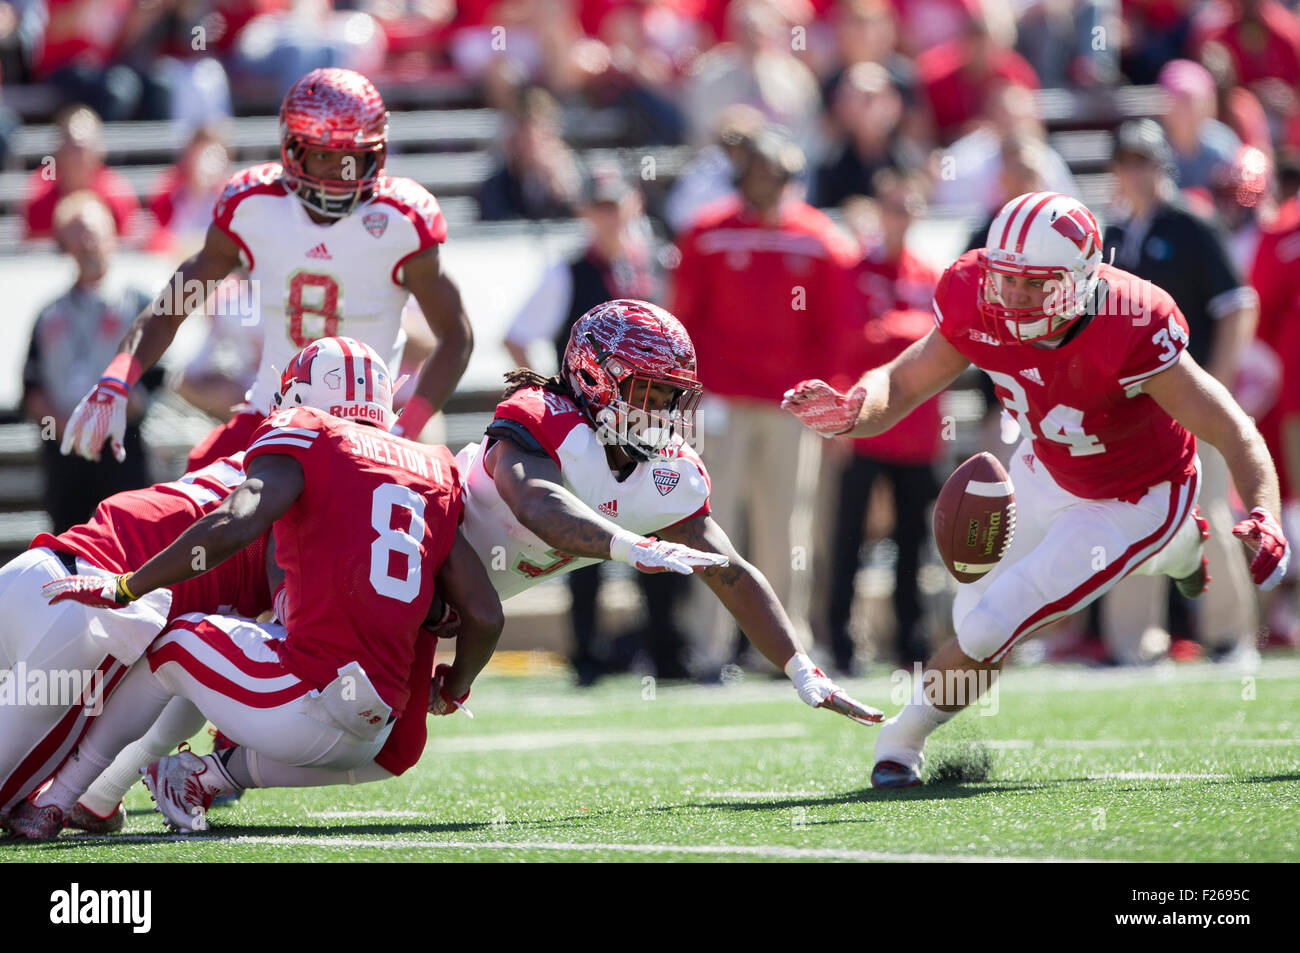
x=1042, y=236
x=340, y=376
x=639, y=344
x=336, y=110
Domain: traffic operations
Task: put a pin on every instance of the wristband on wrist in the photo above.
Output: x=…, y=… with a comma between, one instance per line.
x=798, y=664
x=121, y=593
x=414, y=416
x=620, y=546
x=125, y=368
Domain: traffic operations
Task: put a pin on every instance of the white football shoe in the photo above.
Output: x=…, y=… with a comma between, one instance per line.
x=176, y=784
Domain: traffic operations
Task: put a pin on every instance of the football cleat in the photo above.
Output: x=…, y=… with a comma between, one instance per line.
x=1196, y=582
x=222, y=742
x=177, y=791
x=892, y=774
x=83, y=818
x=29, y=822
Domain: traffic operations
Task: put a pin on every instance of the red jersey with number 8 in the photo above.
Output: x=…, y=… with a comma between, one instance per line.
x=360, y=546
x=1099, y=436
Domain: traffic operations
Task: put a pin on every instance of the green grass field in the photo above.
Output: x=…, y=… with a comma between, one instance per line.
x=1193, y=763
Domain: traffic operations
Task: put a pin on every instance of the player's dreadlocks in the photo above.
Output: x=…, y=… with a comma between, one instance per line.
x=522, y=377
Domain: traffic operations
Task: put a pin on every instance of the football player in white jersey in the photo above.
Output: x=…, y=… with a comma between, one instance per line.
x=334, y=246
x=607, y=436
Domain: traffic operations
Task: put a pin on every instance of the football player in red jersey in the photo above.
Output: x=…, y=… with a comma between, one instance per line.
x=59, y=642
x=332, y=245
x=1090, y=361
x=364, y=523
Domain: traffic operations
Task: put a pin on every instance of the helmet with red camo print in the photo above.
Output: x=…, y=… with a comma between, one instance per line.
x=631, y=365
x=1050, y=243
x=340, y=376
x=334, y=111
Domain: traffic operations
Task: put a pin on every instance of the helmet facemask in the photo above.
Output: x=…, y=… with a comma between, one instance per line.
x=637, y=419
x=1065, y=300
x=333, y=198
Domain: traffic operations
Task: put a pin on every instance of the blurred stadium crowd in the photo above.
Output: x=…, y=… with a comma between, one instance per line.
x=788, y=176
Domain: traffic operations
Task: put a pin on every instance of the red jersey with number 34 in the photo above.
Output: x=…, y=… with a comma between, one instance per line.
x=1097, y=433
x=360, y=546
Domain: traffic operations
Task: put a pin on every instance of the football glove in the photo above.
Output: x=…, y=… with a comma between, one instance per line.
x=100, y=416
x=101, y=592
x=822, y=408
x=441, y=702
x=648, y=554
x=447, y=625
x=1263, y=535
x=817, y=690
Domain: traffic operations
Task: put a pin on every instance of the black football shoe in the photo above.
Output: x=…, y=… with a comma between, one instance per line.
x=892, y=774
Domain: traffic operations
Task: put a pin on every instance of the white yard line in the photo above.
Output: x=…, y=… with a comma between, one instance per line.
x=725, y=850
x=765, y=794
x=342, y=815
x=1022, y=744
x=1155, y=776
x=537, y=740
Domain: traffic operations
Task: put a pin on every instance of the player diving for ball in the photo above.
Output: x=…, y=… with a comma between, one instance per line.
x=1091, y=362
x=610, y=429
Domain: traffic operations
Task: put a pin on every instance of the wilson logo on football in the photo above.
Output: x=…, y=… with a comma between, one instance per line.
x=665, y=480
x=375, y=222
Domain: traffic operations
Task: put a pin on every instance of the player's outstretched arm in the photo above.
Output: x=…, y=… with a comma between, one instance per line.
x=532, y=486
x=441, y=304
x=273, y=482
x=1200, y=403
x=101, y=415
x=463, y=583
x=752, y=603
x=884, y=395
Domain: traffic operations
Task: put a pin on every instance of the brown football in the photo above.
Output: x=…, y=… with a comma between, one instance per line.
x=975, y=517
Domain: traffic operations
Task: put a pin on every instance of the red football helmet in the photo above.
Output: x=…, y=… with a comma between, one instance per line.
x=1045, y=237
x=335, y=110
x=640, y=345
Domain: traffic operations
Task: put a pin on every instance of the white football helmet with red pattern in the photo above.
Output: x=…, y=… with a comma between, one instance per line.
x=1047, y=237
x=336, y=110
x=340, y=376
x=617, y=352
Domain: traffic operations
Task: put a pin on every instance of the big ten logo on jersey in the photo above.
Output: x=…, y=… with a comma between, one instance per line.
x=383, y=448
x=555, y=404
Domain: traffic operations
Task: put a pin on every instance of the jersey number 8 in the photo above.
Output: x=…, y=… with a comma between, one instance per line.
x=387, y=498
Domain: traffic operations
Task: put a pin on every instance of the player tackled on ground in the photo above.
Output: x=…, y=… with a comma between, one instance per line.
x=363, y=523
x=1090, y=361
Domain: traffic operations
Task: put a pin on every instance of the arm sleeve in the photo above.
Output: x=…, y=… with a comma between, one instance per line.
x=515, y=433
x=547, y=418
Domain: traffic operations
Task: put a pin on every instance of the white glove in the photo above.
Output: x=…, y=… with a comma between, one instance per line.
x=817, y=690
x=100, y=416
x=654, y=555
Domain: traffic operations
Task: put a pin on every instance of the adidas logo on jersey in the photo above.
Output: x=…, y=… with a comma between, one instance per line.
x=610, y=508
x=1033, y=375
x=320, y=251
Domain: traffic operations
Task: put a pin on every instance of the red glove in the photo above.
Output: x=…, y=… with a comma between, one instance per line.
x=441, y=702
x=822, y=408
x=1263, y=534
x=102, y=592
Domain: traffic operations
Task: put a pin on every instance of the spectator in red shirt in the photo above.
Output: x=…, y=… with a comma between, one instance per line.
x=77, y=163
x=1262, y=36
x=182, y=199
x=761, y=288
x=958, y=76
x=892, y=291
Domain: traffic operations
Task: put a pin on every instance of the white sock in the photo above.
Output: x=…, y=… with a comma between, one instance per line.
x=134, y=705
x=179, y=720
x=903, y=737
